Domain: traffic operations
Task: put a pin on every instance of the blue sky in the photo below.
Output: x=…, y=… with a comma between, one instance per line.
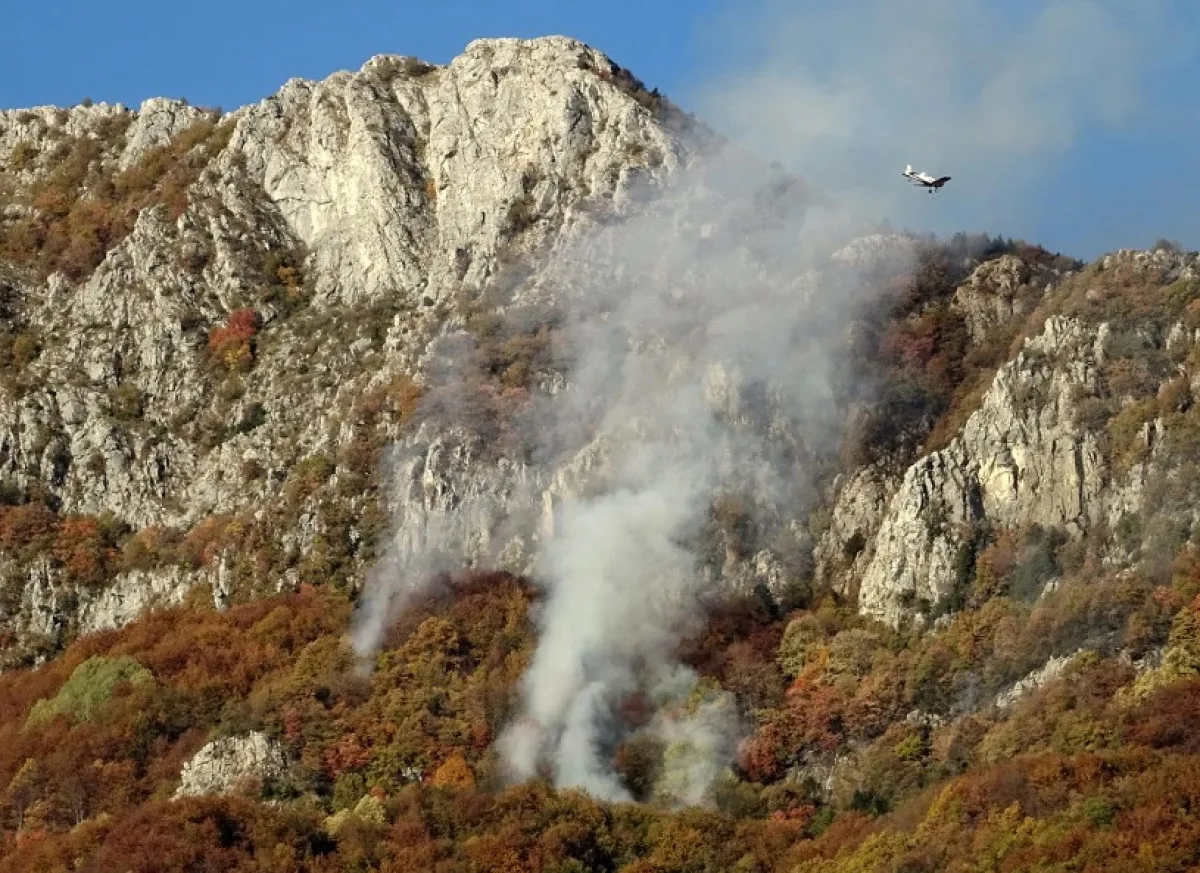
x=846, y=90
x=226, y=53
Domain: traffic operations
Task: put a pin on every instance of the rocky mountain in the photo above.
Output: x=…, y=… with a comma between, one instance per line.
x=207, y=312
x=621, y=460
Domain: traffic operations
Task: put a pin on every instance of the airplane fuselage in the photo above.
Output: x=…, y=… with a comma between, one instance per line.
x=925, y=180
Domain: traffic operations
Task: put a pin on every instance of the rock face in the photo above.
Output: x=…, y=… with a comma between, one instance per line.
x=213, y=326
x=1019, y=460
x=1026, y=456
x=998, y=293
x=1048, y=672
x=223, y=766
x=355, y=216
x=406, y=184
x=412, y=179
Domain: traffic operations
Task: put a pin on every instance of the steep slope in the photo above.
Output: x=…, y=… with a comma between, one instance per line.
x=1065, y=439
x=387, y=459
x=212, y=316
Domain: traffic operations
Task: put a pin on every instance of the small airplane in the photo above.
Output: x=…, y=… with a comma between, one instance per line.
x=925, y=179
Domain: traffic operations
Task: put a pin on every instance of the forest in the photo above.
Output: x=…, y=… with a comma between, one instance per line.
x=866, y=747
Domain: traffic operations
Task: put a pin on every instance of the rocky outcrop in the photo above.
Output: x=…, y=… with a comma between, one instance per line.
x=406, y=184
x=45, y=611
x=158, y=121
x=1043, y=675
x=997, y=294
x=1019, y=460
x=413, y=179
x=862, y=500
x=227, y=765
x=136, y=592
x=455, y=505
x=357, y=216
x=1025, y=457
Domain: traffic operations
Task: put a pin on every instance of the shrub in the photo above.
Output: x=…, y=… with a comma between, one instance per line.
x=284, y=281
x=254, y=416
x=81, y=211
x=85, y=549
x=454, y=772
x=125, y=402
x=89, y=687
x=795, y=649
x=232, y=345
x=22, y=156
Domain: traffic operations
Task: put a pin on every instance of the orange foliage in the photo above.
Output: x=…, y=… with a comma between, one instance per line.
x=760, y=756
x=346, y=754
x=233, y=344
x=79, y=545
x=204, y=542
x=82, y=550
x=27, y=529
x=455, y=772
x=81, y=210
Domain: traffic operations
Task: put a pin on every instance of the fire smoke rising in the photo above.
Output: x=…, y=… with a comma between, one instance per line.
x=706, y=344
x=704, y=340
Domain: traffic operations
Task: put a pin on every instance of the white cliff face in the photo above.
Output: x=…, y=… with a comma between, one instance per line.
x=134, y=593
x=406, y=183
x=223, y=766
x=409, y=179
x=455, y=507
x=842, y=551
x=1024, y=457
x=46, y=611
x=998, y=292
x=158, y=121
x=390, y=194
x=1019, y=460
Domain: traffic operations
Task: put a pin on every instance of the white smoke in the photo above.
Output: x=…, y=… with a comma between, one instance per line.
x=705, y=341
x=706, y=337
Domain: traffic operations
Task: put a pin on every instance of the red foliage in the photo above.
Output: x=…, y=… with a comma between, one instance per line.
x=909, y=342
x=815, y=715
x=760, y=756
x=739, y=638
x=27, y=529
x=78, y=544
x=233, y=344
x=81, y=548
x=204, y=542
x=346, y=754
x=1167, y=719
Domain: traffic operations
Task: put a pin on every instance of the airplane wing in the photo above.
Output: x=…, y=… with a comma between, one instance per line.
x=942, y=180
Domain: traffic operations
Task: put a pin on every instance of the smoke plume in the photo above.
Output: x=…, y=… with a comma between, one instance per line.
x=706, y=345
x=704, y=341
x=999, y=95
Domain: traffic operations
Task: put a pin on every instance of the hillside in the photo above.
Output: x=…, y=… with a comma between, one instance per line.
x=488, y=467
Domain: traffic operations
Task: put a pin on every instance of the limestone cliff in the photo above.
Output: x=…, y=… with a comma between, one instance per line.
x=314, y=338
x=1036, y=451
x=348, y=221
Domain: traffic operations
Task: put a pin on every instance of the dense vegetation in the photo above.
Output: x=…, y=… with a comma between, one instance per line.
x=395, y=772
x=865, y=747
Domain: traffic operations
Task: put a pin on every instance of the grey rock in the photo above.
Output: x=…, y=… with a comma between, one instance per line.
x=223, y=765
x=1019, y=460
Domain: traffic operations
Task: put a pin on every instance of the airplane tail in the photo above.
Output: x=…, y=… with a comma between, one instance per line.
x=907, y=169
